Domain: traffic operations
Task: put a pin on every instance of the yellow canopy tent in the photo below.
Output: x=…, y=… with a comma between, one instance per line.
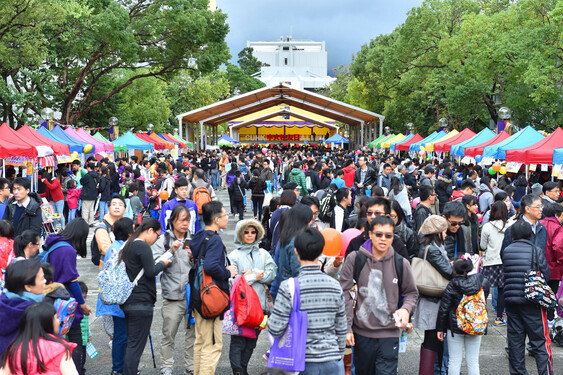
x=397, y=138
x=430, y=146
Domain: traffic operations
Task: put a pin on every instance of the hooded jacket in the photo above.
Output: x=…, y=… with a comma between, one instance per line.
x=409, y=238
x=349, y=175
x=554, y=247
x=485, y=198
x=89, y=186
x=176, y=276
x=30, y=217
x=11, y=311
x=296, y=175
x=237, y=189
x=492, y=236
x=444, y=191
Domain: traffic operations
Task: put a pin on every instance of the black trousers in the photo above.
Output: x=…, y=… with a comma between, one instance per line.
x=75, y=336
x=240, y=351
x=138, y=328
x=376, y=356
x=238, y=208
x=257, y=203
x=528, y=320
x=554, y=285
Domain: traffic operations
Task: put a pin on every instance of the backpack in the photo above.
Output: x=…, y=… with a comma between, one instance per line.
x=471, y=314
x=248, y=309
x=65, y=309
x=200, y=196
x=309, y=183
x=96, y=254
x=361, y=259
x=113, y=281
x=328, y=202
x=43, y=256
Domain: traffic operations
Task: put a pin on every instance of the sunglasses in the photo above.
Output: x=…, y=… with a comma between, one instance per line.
x=455, y=223
x=381, y=234
x=249, y=232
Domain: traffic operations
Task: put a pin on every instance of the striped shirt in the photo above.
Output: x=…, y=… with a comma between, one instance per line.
x=322, y=298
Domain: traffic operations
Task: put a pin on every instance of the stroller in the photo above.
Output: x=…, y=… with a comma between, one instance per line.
x=48, y=218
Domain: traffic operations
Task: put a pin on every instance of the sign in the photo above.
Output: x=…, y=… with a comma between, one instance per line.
x=279, y=137
x=533, y=167
x=513, y=167
x=556, y=171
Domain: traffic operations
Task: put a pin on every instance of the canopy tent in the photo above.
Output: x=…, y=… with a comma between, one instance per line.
x=540, y=152
x=167, y=144
x=98, y=146
x=29, y=134
x=429, y=147
x=224, y=142
x=446, y=146
x=405, y=145
x=10, y=135
x=397, y=138
x=11, y=145
x=414, y=147
x=558, y=156
x=337, y=139
x=170, y=138
x=380, y=142
x=181, y=140
x=116, y=148
x=58, y=135
x=157, y=145
x=372, y=143
x=483, y=136
x=473, y=151
x=524, y=138
x=394, y=144
x=226, y=138
x=130, y=142
x=108, y=146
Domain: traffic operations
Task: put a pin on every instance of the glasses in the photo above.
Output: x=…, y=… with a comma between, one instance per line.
x=381, y=234
x=540, y=207
x=250, y=232
x=117, y=205
x=375, y=213
x=316, y=214
x=455, y=223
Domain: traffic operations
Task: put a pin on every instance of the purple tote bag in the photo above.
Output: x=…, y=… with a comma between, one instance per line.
x=288, y=351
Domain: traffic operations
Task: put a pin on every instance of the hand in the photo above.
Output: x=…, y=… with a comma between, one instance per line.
x=360, y=185
x=440, y=336
x=85, y=309
x=259, y=275
x=247, y=272
x=189, y=250
x=175, y=246
x=167, y=262
x=232, y=270
x=369, y=187
x=337, y=261
x=350, y=339
x=403, y=318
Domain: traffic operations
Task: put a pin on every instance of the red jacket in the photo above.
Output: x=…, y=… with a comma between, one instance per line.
x=554, y=247
x=457, y=194
x=349, y=173
x=53, y=190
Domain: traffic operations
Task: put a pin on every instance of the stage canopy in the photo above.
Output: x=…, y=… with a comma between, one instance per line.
x=116, y=148
x=170, y=138
x=108, y=146
x=478, y=149
x=405, y=145
x=415, y=147
x=524, y=138
x=129, y=141
x=61, y=137
x=31, y=135
x=540, y=152
x=372, y=143
x=483, y=136
x=446, y=146
x=337, y=139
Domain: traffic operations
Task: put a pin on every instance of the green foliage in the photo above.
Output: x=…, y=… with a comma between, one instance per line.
x=241, y=82
x=247, y=62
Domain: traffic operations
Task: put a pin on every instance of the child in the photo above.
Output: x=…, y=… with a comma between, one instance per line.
x=52, y=290
x=72, y=195
x=136, y=204
x=462, y=284
x=85, y=328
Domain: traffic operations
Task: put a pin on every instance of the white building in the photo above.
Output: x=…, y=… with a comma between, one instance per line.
x=299, y=63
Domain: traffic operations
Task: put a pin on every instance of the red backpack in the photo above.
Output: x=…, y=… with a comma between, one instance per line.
x=248, y=309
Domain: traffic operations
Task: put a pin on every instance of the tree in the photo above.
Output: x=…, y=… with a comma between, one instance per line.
x=240, y=82
x=248, y=63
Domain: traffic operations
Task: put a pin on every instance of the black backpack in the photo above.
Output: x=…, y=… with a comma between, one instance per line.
x=96, y=254
x=328, y=202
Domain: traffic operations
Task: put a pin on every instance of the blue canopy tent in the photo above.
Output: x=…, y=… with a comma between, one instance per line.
x=227, y=138
x=432, y=137
x=406, y=139
x=481, y=137
x=133, y=142
x=524, y=138
x=558, y=156
x=73, y=144
x=337, y=139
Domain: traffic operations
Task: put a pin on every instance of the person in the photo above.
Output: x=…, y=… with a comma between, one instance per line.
x=384, y=179
x=551, y=194
x=398, y=192
x=37, y=349
x=444, y=188
x=454, y=242
x=102, y=233
x=259, y=270
x=370, y=329
x=364, y=177
x=26, y=245
x=409, y=180
x=168, y=182
x=326, y=179
x=89, y=193
x=467, y=188
x=122, y=230
x=266, y=172
x=492, y=236
x=349, y=171
x=339, y=180
x=471, y=227
x=104, y=189
x=433, y=231
x=54, y=193
x=296, y=175
x=174, y=281
x=340, y=213
x=257, y=186
x=312, y=177
x=288, y=199
x=462, y=284
x=135, y=200
x=24, y=208
x=406, y=234
x=78, y=171
x=237, y=189
x=554, y=249
x=531, y=211
x=198, y=180
x=84, y=329
x=486, y=196
x=72, y=194
x=525, y=318
x=4, y=195
x=138, y=309
x=422, y=210
x=208, y=332
x=181, y=190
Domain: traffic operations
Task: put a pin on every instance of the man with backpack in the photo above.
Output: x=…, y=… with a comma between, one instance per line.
x=312, y=179
x=181, y=190
x=89, y=193
x=200, y=192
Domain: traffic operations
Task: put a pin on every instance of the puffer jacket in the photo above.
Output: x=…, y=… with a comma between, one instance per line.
x=89, y=186
x=455, y=244
x=250, y=257
x=456, y=289
x=492, y=236
x=539, y=238
x=437, y=260
x=408, y=237
x=485, y=198
x=296, y=175
x=176, y=276
x=516, y=261
x=554, y=248
x=443, y=191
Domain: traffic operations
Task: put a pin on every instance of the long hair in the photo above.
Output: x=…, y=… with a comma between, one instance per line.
x=395, y=206
x=292, y=221
x=35, y=324
x=21, y=273
x=21, y=241
x=499, y=212
x=395, y=185
x=146, y=224
x=76, y=233
x=176, y=212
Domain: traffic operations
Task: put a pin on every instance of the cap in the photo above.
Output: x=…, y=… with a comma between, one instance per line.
x=433, y=224
x=537, y=189
x=411, y=169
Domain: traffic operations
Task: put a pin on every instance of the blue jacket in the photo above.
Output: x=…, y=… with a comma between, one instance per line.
x=113, y=310
x=288, y=265
x=215, y=257
x=539, y=238
x=167, y=210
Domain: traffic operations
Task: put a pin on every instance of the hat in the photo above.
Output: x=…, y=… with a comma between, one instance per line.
x=290, y=186
x=434, y=224
x=537, y=189
x=411, y=169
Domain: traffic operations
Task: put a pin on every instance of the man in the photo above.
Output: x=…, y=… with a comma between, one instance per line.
x=410, y=180
x=296, y=175
x=4, y=195
x=551, y=194
x=103, y=233
x=266, y=172
x=455, y=214
x=467, y=188
x=321, y=297
x=427, y=175
x=349, y=173
x=364, y=177
x=181, y=190
x=312, y=179
x=78, y=171
x=384, y=179
x=208, y=335
x=422, y=210
x=167, y=181
x=381, y=285
x=198, y=180
x=531, y=205
x=24, y=208
x=89, y=193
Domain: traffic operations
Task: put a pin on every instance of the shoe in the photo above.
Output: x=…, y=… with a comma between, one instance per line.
x=266, y=355
x=166, y=371
x=116, y=373
x=189, y=371
x=550, y=324
x=499, y=322
x=110, y=343
x=427, y=359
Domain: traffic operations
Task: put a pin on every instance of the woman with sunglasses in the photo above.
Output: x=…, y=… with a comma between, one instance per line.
x=433, y=231
x=259, y=270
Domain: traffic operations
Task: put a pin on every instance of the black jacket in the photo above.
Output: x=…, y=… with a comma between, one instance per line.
x=89, y=186
x=31, y=216
x=453, y=239
x=456, y=289
x=370, y=179
x=115, y=187
x=105, y=189
x=410, y=180
x=409, y=238
x=516, y=261
x=314, y=179
x=443, y=191
x=437, y=260
x=324, y=183
x=421, y=213
x=257, y=186
x=236, y=190
x=141, y=258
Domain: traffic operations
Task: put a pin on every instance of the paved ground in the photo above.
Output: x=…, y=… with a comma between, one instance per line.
x=493, y=358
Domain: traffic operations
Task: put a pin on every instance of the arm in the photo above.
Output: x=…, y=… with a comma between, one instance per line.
x=558, y=246
x=484, y=238
x=214, y=262
x=36, y=220
x=341, y=324
x=338, y=219
x=279, y=320
x=437, y=261
x=542, y=262
x=446, y=304
x=270, y=268
x=158, y=247
x=147, y=261
x=347, y=283
x=103, y=239
x=67, y=366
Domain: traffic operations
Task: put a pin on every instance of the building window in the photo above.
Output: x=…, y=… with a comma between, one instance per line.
x=285, y=61
x=286, y=48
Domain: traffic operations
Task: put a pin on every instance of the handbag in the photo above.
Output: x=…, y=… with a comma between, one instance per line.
x=536, y=289
x=230, y=326
x=429, y=281
x=288, y=351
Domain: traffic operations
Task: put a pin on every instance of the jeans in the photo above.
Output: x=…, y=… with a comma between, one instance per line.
x=72, y=214
x=119, y=343
x=103, y=207
x=257, y=202
x=324, y=368
x=138, y=328
x=59, y=206
x=494, y=297
x=215, y=179
x=456, y=343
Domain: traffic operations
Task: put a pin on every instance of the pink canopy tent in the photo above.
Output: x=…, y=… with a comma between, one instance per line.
x=478, y=150
x=108, y=145
x=98, y=146
x=540, y=152
x=446, y=146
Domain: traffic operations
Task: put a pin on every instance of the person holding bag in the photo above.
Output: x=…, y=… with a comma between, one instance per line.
x=434, y=231
x=259, y=270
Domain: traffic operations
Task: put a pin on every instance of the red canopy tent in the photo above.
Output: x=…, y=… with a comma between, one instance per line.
x=145, y=137
x=446, y=146
x=405, y=145
x=538, y=153
x=478, y=150
x=33, y=136
x=12, y=145
x=167, y=144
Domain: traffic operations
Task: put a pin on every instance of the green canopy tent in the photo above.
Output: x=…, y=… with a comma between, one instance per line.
x=386, y=138
x=372, y=143
x=116, y=148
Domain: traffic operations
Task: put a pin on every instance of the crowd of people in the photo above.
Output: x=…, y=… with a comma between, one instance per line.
x=161, y=217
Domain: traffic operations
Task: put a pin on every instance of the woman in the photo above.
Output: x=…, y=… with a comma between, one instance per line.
x=122, y=230
x=433, y=232
x=398, y=192
x=326, y=179
x=461, y=285
x=405, y=233
x=6, y=244
x=54, y=191
x=26, y=245
x=521, y=185
x=70, y=242
x=491, y=243
x=471, y=227
x=237, y=192
x=37, y=349
x=257, y=186
x=486, y=197
x=444, y=188
x=25, y=284
x=138, y=309
x=104, y=190
x=288, y=199
x=501, y=196
x=266, y=242
x=259, y=270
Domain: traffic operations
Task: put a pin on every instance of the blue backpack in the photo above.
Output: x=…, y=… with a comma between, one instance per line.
x=65, y=309
x=44, y=255
x=113, y=281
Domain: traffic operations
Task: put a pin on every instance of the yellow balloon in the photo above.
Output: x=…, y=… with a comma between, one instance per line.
x=74, y=155
x=87, y=148
x=502, y=170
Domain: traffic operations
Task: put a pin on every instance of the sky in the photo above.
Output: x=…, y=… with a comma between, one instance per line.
x=344, y=25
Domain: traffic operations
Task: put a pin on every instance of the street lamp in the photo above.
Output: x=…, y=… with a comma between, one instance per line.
x=47, y=114
x=410, y=128
x=113, y=121
x=504, y=113
x=150, y=127
x=387, y=130
x=114, y=130
x=443, y=123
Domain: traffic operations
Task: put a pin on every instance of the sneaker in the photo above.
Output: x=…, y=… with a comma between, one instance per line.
x=166, y=371
x=550, y=323
x=110, y=343
x=189, y=371
x=499, y=322
x=266, y=355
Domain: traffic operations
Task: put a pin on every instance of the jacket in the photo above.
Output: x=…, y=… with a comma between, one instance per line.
x=31, y=216
x=516, y=261
x=471, y=229
x=554, y=247
x=54, y=190
x=325, y=182
x=409, y=238
x=349, y=176
x=237, y=189
x=539, y=238
x=492, y=236
x=105, y=189
x=167, y=211
x=314, y=177
x=257, y=185
x=288, y=265
x=410, y=181
x=403, y=198
x=455, y=244
x=140, y=258
x=89, y=186
x=456, y=289
x=437, y=260
x=370, y=179
x=421, y=213
x=11, y=311
x=485, y=198
x=296, y=175
x=176, y=276
x=267, y=174
x=114, y=185
x=216, y=260
x=443, y=191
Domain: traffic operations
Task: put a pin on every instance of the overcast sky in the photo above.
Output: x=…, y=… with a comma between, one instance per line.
x=344, y=25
